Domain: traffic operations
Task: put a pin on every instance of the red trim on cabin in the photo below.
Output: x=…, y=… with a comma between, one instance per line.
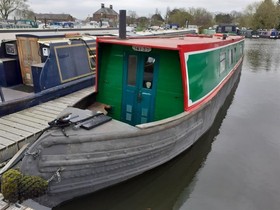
x=209, y=45
x=97, y=66
x=217, y=89
x=187, y=44
x=184, y=78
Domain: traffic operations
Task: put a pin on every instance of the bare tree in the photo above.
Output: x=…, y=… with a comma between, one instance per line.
x=9, y=6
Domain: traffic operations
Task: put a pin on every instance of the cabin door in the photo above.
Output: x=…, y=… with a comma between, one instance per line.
x=28, y=49
x=138, y=101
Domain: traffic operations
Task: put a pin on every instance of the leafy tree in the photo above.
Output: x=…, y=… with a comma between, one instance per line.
x=223, y=18
x=266, y=16
x=9, y=6
x=142, y=23
x=201, y=17
x=179, y=16
x=246, y=18
x=156, y=20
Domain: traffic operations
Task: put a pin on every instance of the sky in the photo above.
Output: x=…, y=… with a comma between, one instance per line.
x=84, y=8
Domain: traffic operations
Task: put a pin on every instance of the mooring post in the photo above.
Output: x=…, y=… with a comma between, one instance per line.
x=2, y=95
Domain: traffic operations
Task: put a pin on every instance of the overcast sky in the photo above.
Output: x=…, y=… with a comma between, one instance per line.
x=83, y=8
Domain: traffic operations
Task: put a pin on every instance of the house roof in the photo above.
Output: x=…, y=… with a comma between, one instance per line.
x=106, y=11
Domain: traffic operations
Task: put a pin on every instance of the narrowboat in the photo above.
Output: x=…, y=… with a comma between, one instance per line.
x=36, y=68
x=154, y=98
x=274, y=34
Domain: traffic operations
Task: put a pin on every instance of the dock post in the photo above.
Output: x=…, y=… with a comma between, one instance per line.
x=2, y=95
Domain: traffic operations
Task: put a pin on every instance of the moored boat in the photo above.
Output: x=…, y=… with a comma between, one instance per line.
x=36, y=68
x=155, y=96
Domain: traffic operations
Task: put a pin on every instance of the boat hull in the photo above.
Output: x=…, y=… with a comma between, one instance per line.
x=92, y=160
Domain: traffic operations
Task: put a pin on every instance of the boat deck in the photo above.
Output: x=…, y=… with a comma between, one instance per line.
x=11, y=94
x=24, y=126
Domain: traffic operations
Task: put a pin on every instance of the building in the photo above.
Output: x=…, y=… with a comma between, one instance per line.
x=48, y=18
x=105, y=14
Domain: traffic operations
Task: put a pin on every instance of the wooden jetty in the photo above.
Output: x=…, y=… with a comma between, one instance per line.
x=23, y=127
x=6, y=206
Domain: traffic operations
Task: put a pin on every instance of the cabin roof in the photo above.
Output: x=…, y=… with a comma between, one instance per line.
x=172, y=43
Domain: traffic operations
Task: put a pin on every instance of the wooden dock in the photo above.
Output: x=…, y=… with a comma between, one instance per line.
x=6, y=206
x=23, y=127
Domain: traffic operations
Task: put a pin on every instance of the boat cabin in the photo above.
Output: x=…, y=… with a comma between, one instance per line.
x=149, y=79
x=46, y=61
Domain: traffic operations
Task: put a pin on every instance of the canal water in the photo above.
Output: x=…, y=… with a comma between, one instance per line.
x=234, y=166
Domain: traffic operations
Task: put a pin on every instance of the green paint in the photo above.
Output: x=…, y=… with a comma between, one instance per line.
x=205, y=72
x=169, y=93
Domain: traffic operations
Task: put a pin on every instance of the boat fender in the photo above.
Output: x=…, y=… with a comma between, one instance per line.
x=17, y=187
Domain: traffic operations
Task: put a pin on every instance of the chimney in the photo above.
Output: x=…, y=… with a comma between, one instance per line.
x=111, y=6
x=122, y=24
x=102, y=5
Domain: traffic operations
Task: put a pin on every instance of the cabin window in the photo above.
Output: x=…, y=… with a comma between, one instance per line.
x=132, y=70
x=230, y=56
x=92, y=58
x=148, y=72
x=222, y=62
x=241, y=50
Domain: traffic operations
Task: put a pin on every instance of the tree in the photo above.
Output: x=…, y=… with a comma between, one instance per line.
x=9, y=6
x=223, y=18
x=179, y=16
x=246, y=18
x=167, y=15
x=132, y=16
x=156, y=20
x=25, y=13
x=143, y=23
x=201, y=17
x=266, y=16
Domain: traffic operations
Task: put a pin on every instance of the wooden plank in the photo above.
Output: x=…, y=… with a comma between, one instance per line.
x=40, y=113
x=30, y=118
x=65, y=101
x=6, y=142
x=57, y=104
x=53, y=112
x=10, y=136
x=51, y=107
x=24, y=122
x=15, y=130
x=39, y=117
x=19, y=126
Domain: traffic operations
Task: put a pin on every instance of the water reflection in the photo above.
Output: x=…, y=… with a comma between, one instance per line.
x=262, y=54
x=163, y=188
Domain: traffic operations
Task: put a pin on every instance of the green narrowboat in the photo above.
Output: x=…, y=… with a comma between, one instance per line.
x=154, y=98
